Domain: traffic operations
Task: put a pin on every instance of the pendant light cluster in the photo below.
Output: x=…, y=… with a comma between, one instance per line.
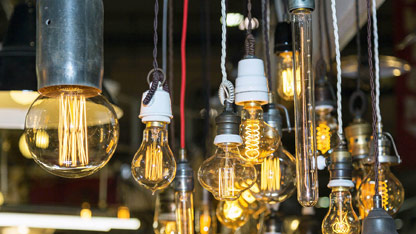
x=72, y=130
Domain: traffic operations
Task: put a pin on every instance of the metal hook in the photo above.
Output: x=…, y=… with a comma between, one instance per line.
x=157, y=70
x=289, y=126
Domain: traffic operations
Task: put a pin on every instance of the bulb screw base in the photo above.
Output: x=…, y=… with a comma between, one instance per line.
x=184, y=180
x=299, y=4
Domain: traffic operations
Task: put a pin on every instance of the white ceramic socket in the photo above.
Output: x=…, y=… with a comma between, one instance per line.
x=341, y=183
x=159, y=109
x=227, y=138
x=321, y=161
x=251, y=83
x=324, y=107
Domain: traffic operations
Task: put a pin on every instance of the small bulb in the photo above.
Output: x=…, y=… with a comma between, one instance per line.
x=276, y=177
x=86, y=211
x=259, y=138
x=285, y=79
x=326, y=127
x=123, y=212
x=184, y=212
x=165, y=212
x=225, y=174
x=207, y=220
x=341, y=218
x=154, y=165
x=71, y=131
x=231, y=214
x=390, y=190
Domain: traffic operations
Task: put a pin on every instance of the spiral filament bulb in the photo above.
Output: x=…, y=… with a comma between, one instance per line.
x=72, y=130
x=369, y=188
x=270, y=174
x=341, y=225
x=252, y=139
x=226, y=182
x=323, y=141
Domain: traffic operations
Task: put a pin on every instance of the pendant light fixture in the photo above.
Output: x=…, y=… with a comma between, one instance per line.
x=304, y=102
x=378, y=220
x=80, y=123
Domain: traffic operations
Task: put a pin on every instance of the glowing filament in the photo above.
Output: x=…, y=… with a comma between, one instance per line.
x=226, y=182
x=323, y=135
x=205, y=223
x=232, y=210
x=270, y=174
x=287, y=80
x=72, y=131
x=252, y=139
x=153, y=161
x=341, y=225
x=369, y=189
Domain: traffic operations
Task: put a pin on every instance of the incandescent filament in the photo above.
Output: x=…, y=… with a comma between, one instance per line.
x=252, y=139
x=270, y=174
x=72, y=131
x=226, y=182
x=323, y=136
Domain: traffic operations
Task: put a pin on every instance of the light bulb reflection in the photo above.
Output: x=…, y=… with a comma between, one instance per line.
x=231, y=214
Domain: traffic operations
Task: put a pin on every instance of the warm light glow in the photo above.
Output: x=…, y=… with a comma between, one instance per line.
x=397, y=72
x=226, y=179
x=123, y=212
x=270, y=174
x=252, y=138
x=24, y=97
x=72, y=131
x=341, y=225
x=153, y=169
x=86, y=211
x=294, y=224
x=233, y=210
x=42, y=139
x=286, y=87
x=369, y=190
x=205, y=223
x=323, y=137
x=23, y=147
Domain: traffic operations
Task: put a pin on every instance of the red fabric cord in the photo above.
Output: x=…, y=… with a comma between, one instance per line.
x=183, y=62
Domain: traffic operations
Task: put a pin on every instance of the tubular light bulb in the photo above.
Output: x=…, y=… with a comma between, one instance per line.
x=259, y=139
x=326, y=126
x=225, y=174
x=341, y=218
x=390, y=190
x=165, y=212
x=154, y=165
x=231, y=214
x=207, y=220
x=275, y=177
x=304, y=105
x=71, y=131
x=184, y=212
x=285, y=76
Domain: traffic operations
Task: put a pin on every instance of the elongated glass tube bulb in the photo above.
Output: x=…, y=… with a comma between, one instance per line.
x=341, y=218
x=304, y=103
x=284, y=71
x=165, y=212
x=184, y=212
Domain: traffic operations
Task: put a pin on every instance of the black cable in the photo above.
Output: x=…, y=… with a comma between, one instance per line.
x=170, y=68
x=328, y=37
x=157, y=76
x=265, y=27
x=358, y=41
x=373, y=96
x=250, y=42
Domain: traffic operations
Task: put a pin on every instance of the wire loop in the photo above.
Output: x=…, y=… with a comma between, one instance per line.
x=226, y=92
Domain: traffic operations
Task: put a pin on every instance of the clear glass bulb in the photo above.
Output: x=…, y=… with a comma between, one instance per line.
x=390, y=190
x=341, y=218
x=165, y=212
x=207, y=220
x=259, y=138
x=284, y=71
x=154, y=165
x=326, y=127
x=304, y=105
x=232, y=214
x=71, y=131
x=225, y=174
x=184, y=212
x=360, y=171
x=276, y=177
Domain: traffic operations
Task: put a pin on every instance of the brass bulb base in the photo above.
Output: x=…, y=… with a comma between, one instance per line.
x=358, y=135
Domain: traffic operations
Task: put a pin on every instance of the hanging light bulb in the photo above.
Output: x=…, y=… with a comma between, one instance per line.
x=184, y=186
x=341, y=218
x=154, y=165
x=391, y=190
x=304, y=103
x=231, y=214
x=71, y=129
x=259, y=138
x=207, y=220
x=225, y=174
x=284, y=62
x=165, y=212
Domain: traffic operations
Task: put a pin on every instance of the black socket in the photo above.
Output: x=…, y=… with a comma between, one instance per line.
x=340, y=167
x=228, y=122
x=283, y=37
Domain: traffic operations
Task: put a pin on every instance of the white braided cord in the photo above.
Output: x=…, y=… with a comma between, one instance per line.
x=376, y=59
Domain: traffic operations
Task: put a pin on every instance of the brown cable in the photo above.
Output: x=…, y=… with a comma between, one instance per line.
x=250, y=42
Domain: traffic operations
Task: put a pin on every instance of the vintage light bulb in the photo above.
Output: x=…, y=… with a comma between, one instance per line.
x=231, y=214
x=304, y=103
x=207, y=220
x=341, y=218
x=165, y=212
x=286, y=76
x=326, y=127
x=225, y=174
x=154, y=165
x=259, y=138
x=276, y=177
x=390, y=190
x=71, y=131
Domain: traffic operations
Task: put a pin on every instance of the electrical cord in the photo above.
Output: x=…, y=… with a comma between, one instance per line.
x=164, y=35
x=250, y=43
x=226, y=90
x=170, y=69
x=183, y=67
x=376, y=60
x=338, y=63
x=266, y=37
